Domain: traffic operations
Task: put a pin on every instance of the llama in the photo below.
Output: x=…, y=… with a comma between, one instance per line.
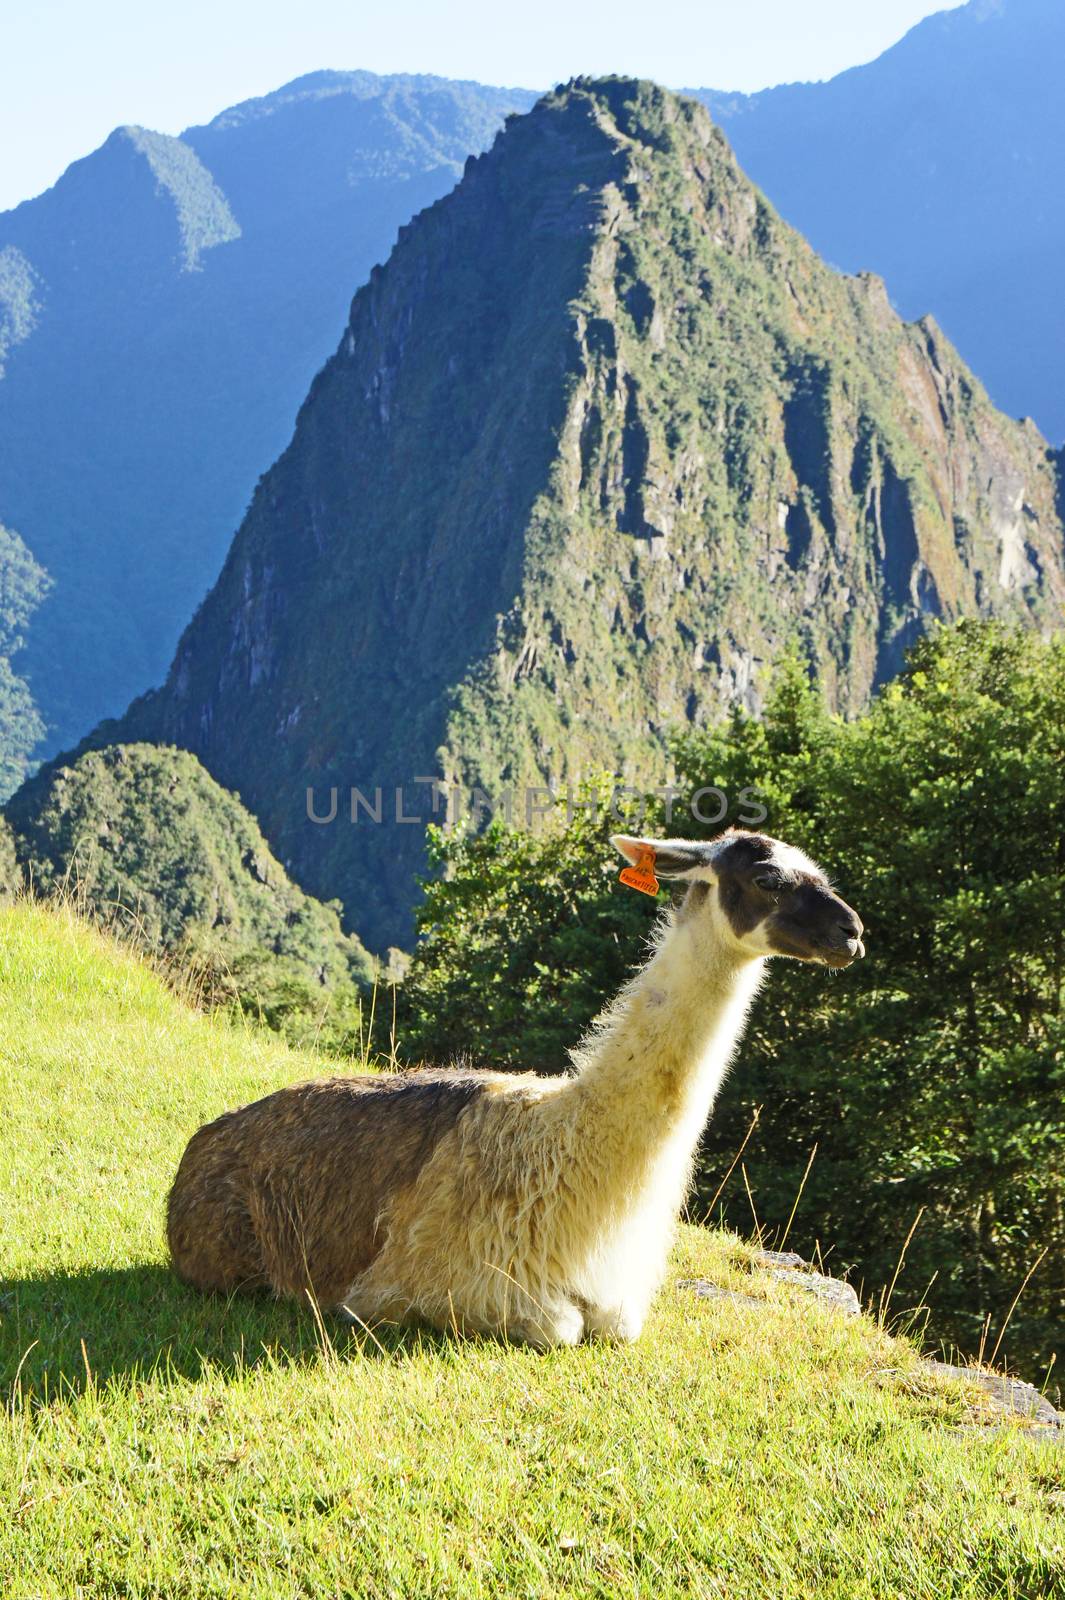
x=539, y=1209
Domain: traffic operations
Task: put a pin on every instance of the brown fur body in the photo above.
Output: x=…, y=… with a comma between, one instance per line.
x=289, y=1192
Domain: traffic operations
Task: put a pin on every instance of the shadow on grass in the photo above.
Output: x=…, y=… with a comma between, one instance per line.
x=61, y=1331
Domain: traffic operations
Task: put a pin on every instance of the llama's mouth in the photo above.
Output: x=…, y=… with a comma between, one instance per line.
x=834, y=956
x=854, y=951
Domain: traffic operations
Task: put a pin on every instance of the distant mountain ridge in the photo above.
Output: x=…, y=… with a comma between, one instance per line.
x=162, y=309
x=602, y=438
x=938, y=166
x=202, y=211
x=166, y=305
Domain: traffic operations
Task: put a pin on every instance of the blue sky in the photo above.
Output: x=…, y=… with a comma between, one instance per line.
x=71, y=70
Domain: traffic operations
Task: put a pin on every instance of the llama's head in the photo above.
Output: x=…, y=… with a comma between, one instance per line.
x=763, y=897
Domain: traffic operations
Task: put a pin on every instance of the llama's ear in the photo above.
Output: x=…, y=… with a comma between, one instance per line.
x=632, y=849
x=673, y=858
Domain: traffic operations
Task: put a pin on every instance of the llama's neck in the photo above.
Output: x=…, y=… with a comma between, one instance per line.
x=647, y=1078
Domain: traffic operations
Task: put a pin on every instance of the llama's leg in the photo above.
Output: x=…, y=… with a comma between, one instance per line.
x=363, y=1307
x=296, y=1264
x=561, y=1324
x=619, y=1284
x=279, y=1236
x=623, y=1322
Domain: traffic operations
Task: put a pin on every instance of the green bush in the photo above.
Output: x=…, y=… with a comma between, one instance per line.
x=929, y=1077
x=520, y=940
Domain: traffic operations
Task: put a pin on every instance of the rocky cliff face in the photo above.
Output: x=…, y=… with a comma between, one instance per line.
x=600, y=440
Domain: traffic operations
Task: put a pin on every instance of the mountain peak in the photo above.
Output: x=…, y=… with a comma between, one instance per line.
x=636, y=111
x=601, y=439
x=203, y=213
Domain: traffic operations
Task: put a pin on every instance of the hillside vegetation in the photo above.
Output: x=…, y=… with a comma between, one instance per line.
x=925, y=1086
x=158, y=1444
x=602, y=438
x=934, y=166
x=23, y=585
x=143, y=838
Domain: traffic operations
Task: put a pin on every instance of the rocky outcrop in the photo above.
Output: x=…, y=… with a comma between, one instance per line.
x=1002, y=1398
x=777, y=1266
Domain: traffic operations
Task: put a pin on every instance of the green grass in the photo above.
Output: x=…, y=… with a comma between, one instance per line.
x=156, y=1443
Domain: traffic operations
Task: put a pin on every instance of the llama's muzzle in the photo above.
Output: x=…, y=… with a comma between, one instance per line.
x=846, y=944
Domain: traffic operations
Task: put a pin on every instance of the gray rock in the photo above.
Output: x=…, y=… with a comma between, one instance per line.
x=1009, y=1396
x=780, y=1258
x=831, y=1292
x=713, y=1291
x=784, y=1267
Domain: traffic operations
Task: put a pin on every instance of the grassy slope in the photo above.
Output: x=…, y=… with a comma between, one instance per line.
x=150, y=840
x=220, y=1450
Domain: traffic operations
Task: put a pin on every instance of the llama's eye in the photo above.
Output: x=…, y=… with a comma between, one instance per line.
x=771, y=882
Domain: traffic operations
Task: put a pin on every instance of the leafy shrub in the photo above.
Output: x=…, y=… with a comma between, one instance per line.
x=930, y=1077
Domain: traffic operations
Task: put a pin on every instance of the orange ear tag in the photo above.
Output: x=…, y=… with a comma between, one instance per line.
x=642, y=875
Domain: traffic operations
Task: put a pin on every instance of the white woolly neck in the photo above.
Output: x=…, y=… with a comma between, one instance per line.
x=663, y=1047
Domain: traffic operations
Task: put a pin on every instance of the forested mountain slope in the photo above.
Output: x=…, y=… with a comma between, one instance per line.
x=163, y=309
x=143, y=839
x=600, y=439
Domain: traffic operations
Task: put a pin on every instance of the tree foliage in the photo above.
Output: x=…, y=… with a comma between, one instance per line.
x=520, y=939
x=929, y=1077
x=23, y=585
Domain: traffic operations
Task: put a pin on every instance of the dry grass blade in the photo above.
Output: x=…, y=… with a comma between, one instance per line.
x=732, y=1166
x=798, y=1197
x=885, y=1303
x=1013, y=1306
